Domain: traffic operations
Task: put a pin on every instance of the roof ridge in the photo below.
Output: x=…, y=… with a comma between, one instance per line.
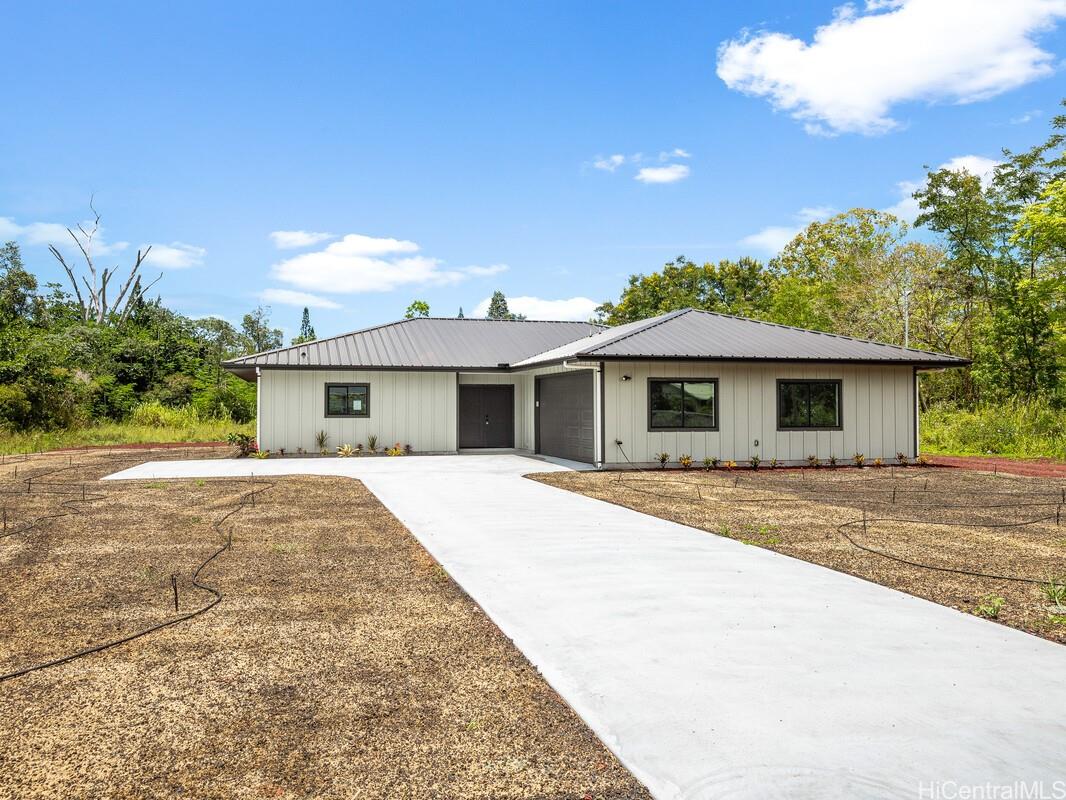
x=651, y=323
x=317, y=341
x=401, y=322
x=820, y=333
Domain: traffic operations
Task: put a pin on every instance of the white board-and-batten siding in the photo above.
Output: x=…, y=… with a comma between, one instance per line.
x=877, y=410
x=410, y=407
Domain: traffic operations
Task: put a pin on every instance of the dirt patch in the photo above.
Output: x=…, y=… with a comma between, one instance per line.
x=945, y=522
x=1034, y=467
x=342, y=662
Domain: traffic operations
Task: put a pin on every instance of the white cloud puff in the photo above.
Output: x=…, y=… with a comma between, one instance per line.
x=290, y=240
x=773, y=238
x=176, y=255
x=671, y=173
x=572, y=308
x=45, y=233
x=861, y=64
x=288, y=297
x=358, y=263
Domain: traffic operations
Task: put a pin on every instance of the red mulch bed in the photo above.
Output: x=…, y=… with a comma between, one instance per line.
x=1035, y=468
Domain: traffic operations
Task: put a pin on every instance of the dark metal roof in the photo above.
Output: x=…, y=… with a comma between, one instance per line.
x=423, y=343
x=704, y=335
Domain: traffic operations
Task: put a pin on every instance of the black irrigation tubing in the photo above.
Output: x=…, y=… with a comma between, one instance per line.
x=216, y=594
x=911, y=563
x=865, y=522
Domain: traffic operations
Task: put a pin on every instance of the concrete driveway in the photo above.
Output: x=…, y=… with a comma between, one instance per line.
x=716, y=669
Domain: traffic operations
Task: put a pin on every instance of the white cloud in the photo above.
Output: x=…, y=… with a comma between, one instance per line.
x=1028, y=116
x=773, y=238
x=175, y=255
x=610, y=163
x=906, y=208
x=290, y=240
x=573, y=308
x=359, y=263
x=671, y=173
x=677, y=152
x=288, y=297
x=45, y=233
x=862, y=63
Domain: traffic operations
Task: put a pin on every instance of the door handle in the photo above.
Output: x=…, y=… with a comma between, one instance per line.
x=486, y=419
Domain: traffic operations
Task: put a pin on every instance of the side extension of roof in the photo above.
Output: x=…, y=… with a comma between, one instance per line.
x=707, y=335
x=422, y=343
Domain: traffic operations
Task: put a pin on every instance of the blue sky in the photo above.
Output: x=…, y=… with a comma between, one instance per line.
x=547, y=149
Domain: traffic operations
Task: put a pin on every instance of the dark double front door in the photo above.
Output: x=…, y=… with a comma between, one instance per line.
x=486, y=415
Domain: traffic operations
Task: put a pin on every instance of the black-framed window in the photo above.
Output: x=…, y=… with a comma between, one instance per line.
x=810, y=404
x=347, y=399
x=680, y=404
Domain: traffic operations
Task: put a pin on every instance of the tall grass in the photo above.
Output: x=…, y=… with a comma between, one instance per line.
x=1033, y=429
x=149, y=423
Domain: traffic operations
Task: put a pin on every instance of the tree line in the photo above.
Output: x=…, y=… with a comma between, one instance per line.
x=983, y=279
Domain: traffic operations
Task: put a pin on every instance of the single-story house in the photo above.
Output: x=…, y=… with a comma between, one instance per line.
x=687, y=382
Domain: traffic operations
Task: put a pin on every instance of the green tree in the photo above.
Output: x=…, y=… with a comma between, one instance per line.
x=307, y=331
x=18, y=287
x=418, y=308
x=498, y=308
x=256, y=327
x=1001, y=247
x=743, y=287
x=460, y=313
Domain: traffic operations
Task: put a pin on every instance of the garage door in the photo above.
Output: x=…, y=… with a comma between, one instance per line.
x=565, y=422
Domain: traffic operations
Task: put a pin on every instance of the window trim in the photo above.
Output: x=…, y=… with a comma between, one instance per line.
x=365, y=386
x=659, y=428
x=840, y=405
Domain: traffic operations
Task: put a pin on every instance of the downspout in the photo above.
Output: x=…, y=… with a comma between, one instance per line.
x=598, y=456
x=258, y=408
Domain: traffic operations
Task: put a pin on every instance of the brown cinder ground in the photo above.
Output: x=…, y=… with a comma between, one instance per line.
x=1003, y=525
x=341, y=663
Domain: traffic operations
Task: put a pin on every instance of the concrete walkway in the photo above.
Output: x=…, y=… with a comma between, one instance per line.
x=715, y=669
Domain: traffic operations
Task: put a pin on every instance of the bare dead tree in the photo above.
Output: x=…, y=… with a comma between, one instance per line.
x=94, y=304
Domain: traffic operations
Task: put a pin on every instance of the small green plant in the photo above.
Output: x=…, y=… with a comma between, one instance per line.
x=157, y=485
x=755, y=461
x=715, y=462
x=345, y=451
x=812, y=461
x=395, y=450
x=685, y=460
x=902, y=459
x=990, y=606
x=260, y=454
x=832, y=460
x=922, y=460
x=244, y=442
x=1055, y=591
x=708, y=463
x=201, y=482
x=662, y=458
x=372, y=443
x=858, y=459
x=321, y=439
x=774, y=463
x=878, y=462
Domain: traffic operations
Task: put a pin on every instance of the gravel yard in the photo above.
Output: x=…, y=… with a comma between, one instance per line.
x=341, y=662
x=942, y=519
